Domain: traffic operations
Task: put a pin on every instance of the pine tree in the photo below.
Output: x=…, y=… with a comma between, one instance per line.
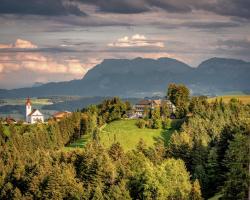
x=196, y=191
x=237, y=160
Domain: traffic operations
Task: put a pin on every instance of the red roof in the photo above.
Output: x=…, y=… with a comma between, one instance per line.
x=10, y=120
x=28, y=101
x=61, y=114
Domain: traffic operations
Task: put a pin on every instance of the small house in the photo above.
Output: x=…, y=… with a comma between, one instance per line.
x=60, y=115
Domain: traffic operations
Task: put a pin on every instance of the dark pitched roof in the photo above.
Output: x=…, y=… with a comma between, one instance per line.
x=32, y=112
x=144, y=102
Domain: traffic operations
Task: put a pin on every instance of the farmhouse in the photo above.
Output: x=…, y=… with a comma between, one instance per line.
x=33, y=116
x=60, y=115
x=140, y=107
x=10, y=120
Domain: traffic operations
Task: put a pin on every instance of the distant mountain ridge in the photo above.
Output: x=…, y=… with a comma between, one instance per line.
x=141, y=77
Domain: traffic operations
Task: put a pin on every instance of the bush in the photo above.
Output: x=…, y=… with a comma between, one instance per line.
x=156, y=124
x=149, y=123
x=166, y=123
x=141, y=123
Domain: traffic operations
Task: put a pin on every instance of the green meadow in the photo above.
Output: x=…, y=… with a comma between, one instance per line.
x=127, y=134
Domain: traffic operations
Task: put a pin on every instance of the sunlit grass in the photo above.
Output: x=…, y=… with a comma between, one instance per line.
x=128, y=134
x=243, y=98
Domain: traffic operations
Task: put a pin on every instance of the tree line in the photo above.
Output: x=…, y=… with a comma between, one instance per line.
x=208, y=155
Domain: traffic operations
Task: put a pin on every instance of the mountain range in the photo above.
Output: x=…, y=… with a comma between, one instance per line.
x=142, y=77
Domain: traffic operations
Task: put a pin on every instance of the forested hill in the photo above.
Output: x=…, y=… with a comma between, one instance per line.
x=208, y=155
x=146, y=77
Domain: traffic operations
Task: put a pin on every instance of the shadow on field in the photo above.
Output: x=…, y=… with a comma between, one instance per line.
x=166, y=133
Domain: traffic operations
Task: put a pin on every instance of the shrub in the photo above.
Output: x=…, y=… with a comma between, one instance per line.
x=149, y=123
x=141, y=123
x=156, y=124
x=166, y=123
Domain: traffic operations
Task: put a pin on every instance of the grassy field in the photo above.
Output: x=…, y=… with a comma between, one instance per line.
x=127, y=134
x=243, y=98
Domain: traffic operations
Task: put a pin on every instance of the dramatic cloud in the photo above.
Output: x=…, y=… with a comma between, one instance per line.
x=19, y=44
x=39, y=63
x=240, y=44
x=239, y=48
x=238, y=8
x=38, y=7
x=136, y=40
x=75, y=35
x=121, y=6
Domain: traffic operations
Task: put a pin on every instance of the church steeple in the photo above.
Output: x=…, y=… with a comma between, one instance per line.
x=28, y=102
x=28, y=109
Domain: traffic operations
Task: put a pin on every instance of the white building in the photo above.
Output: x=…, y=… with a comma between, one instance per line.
x=140, y=107
x=33, y=116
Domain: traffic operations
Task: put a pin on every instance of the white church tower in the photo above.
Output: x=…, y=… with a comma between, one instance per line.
x=28, y=109
x=33, y=116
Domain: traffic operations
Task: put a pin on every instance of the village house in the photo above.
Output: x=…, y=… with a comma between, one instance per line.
x=10, y=120
x=144, y=104
x=60, y=115
x=33, y=116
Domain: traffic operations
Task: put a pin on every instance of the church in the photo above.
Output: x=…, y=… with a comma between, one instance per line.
x=33, y=116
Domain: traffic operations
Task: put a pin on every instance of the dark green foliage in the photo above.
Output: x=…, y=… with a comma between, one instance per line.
x=237, y=161
x=152, y=119
x=113, y=109
x=208, y=154
x=198, y=105
x=179, y=96
x=156, y=124
x=165, y=112
x=166, y=123
x=116, y=152
x=204, y=140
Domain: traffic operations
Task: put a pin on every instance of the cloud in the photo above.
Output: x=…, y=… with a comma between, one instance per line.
x=239, y=48
x=136, y=40
x=238, y=8
x=235, y=44
x=19, y=44
x=232, y=8
x=40, y=63
x=120, y=7
x=38, y=7
x=21, y=69
x=210, y=25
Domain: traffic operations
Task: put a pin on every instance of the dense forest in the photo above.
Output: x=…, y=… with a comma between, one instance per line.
x=207, y=155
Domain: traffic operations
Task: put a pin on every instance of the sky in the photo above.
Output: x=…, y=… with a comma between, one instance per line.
x=60, y=40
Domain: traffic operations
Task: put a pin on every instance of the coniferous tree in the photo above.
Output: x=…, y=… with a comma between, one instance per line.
x=237, y=160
